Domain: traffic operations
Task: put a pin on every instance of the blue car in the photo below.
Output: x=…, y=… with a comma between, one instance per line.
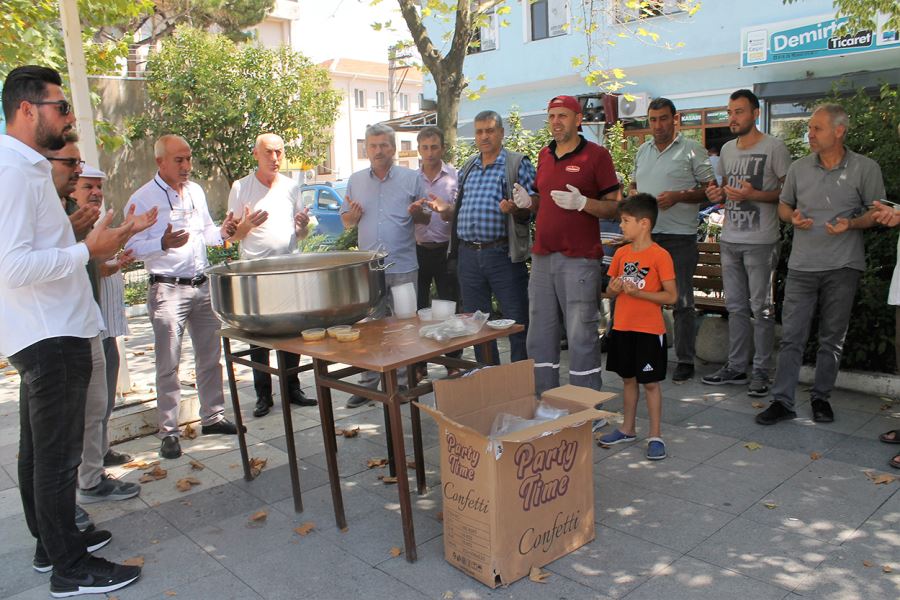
x=324, y=201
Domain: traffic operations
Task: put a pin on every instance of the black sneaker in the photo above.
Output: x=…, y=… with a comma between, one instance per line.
x=93, y=576
x=683, y=372
x=822, y=412
x=224, y=427
x=356, y=401
x=776, y=412
x=263, y=404
x=725, y=376
x=93, y=541
x=170, y=447
x=114, y=459
x=299, y=398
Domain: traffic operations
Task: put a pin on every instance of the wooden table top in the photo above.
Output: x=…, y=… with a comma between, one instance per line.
x=383, y=345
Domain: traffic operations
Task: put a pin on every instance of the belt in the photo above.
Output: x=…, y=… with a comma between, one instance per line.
x=483, y=245
x=434, y=245
x=195, y=281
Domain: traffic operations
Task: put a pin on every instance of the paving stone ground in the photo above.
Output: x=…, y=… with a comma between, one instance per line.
x=714, y=520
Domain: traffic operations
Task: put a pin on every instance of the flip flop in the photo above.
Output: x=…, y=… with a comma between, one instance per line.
x=890, y=437
x=895, y=462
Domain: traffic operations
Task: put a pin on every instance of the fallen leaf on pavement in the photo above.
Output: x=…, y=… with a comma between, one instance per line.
x=387, y=479
x=770, y=505
x=815, y=456
x=155, y=474
x=880, y=478
x=257, y=465
x=376, y=462
x=537, y=575
x=338, y=431
x=395, y=551
x=137, y=353
x=3, y=364
x=190, y=384
x=10, y=373
x=140, y=464
x=189, y=432
x=170, y=593
x=136, y=561
x=447, y=596
x=345, y=529
x=304, y=528
x=148, y=347
x=350, y=433
x=259, y=516
x=186, y=483
x=196, y=465
x=752, y=446
x=440, y=516
x=887, y=569
x=867, y=564
x=758, y=405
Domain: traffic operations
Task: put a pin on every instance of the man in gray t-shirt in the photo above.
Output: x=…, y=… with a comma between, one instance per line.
x=752, y=168
x=828, y=197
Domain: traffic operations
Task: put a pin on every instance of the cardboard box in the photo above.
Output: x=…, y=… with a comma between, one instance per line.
x=526, y=498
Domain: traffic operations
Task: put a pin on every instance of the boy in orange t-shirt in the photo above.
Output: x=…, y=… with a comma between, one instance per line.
x=643, y=279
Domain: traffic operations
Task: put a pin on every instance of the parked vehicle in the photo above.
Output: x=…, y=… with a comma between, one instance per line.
x=324, y=201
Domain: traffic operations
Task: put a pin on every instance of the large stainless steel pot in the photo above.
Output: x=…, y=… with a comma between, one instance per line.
x=282, y=295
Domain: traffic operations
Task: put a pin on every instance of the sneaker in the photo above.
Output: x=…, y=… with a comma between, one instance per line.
x=683, y=372
x=109, y=489
x=83, y=520
x=224, y=427
x=656, y=449
x=115, y=459
x=263, y=404
x=356, y=401
x=598, y=425
x=759, y=385
x=93, y=576
x=299, y=398
x=776, y=412
x=615, y=437
x=725, y=376
x=93, y=541
x=822, y=412
x=170, y=447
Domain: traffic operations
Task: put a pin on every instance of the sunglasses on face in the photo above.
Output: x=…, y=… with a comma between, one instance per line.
x=69, y=162
x=62, y=106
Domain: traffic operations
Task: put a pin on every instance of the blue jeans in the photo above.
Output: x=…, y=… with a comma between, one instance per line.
x=487, y=271
x=55, y=374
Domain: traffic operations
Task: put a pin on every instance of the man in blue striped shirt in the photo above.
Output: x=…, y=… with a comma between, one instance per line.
x=491, y=228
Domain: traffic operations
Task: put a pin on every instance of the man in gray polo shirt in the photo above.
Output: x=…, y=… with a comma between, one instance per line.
x=828, y=197
x=675, y=170
x=752, y=168
x=382, y=202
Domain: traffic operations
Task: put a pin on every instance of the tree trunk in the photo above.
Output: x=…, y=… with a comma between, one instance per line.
x=448, y=98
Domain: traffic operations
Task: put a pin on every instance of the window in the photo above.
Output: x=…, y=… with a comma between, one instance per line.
x=487, y=36
x=307, y=197
x=361, y=149
x=405, y=145
x=631, y=10
x=548, y=18
x=328, y=200
x=403, y=101
x=380, y=99
x=359, y=97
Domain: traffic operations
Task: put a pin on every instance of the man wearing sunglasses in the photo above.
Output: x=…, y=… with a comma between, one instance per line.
x=49, y=318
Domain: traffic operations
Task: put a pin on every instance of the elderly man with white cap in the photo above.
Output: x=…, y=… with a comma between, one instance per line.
x=89, y=192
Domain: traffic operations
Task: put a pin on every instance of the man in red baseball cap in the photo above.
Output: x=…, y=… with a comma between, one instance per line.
x=577, y=185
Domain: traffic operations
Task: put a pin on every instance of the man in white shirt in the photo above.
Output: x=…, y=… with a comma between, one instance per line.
x=174, y=253
x=48, y=318
x=272, y=220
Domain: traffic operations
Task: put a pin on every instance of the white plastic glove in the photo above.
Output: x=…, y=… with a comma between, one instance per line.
x=521, y=198
x=571, y=200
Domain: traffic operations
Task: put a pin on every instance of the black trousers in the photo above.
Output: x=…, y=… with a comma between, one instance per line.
x=262, y=382
x=433, y=266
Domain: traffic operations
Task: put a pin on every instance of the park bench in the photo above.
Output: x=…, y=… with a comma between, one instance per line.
x=708, y=288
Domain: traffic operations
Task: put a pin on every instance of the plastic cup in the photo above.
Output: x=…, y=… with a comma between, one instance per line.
x=442, y=309
x=404, y=300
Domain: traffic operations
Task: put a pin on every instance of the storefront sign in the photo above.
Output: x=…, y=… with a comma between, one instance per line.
x=813, y=37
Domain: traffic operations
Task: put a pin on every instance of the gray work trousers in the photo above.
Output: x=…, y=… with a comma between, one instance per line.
x=833, y=292
x=560, y=283
x=93, y=451
x=370, y=379
x=683, y=250
x=747, y=277
x=173, y=308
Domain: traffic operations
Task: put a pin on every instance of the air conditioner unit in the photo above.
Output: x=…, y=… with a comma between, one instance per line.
x=635, y=108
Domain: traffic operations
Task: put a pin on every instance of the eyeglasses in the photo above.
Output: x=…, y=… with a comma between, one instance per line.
x=62, y=106
x=69, y=162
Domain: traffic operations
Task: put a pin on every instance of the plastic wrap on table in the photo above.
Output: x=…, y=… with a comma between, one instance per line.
x=455, y=326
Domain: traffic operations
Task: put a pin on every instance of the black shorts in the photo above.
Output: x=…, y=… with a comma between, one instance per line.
x=634, y=354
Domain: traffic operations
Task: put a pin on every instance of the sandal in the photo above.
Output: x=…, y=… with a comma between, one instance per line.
x=895, y=462
x=890, y=437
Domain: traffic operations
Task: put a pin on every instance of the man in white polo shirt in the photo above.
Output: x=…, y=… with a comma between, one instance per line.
x=272, y=220
x=174, y=253
x=49, y=317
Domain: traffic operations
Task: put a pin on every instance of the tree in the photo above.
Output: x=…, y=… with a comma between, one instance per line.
x=861, y=14
x=220, y=95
